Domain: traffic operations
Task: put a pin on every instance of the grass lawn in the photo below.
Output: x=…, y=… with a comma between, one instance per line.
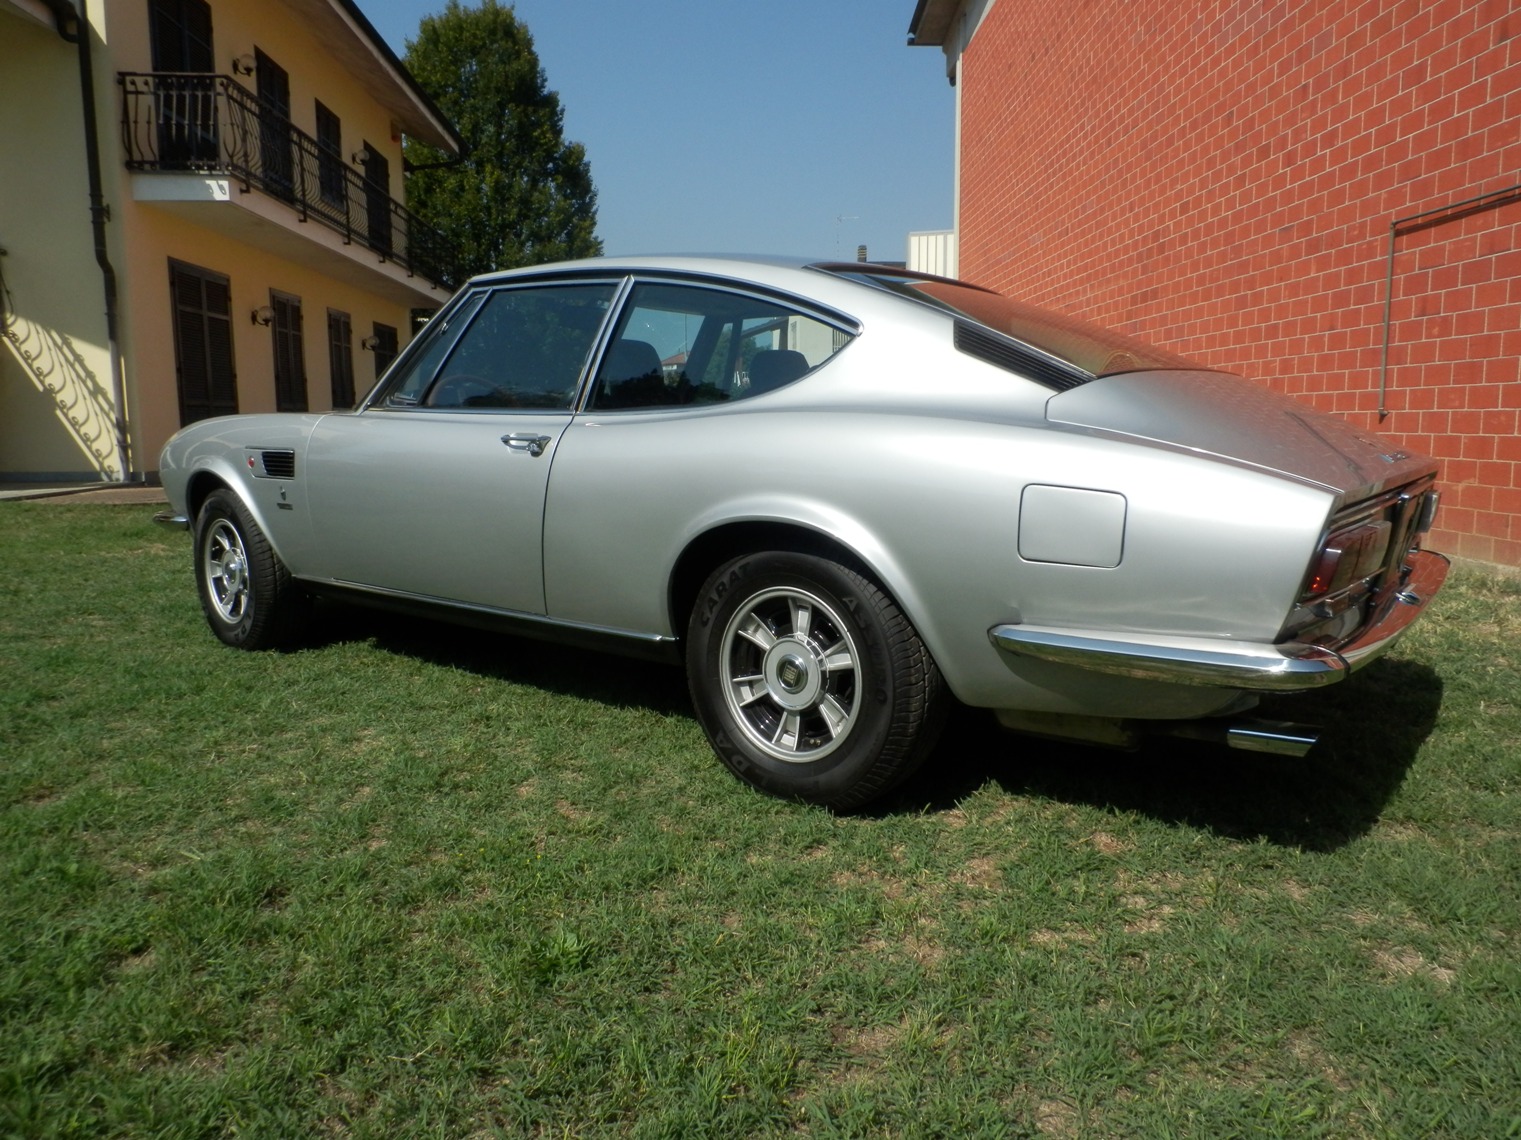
x=417, y=881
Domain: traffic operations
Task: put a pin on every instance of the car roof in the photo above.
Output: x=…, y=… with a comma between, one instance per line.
x=728, y=265
x=838, y=285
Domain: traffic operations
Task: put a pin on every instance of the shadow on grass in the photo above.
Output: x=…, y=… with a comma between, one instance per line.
x=1372, y=728
x=612, y=680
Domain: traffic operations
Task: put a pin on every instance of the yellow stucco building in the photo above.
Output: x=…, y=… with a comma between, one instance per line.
x=200, y=213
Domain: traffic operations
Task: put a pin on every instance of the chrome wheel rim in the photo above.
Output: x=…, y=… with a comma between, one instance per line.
x=226, y=566
x=790, y=673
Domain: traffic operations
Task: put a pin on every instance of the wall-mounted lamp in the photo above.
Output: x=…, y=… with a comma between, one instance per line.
x=243, y=64
x=370, y=343
x=362, y=156
x=263, y=315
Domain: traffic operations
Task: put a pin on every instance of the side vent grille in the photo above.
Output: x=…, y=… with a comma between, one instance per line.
x=279, y=464
x=1008, y=354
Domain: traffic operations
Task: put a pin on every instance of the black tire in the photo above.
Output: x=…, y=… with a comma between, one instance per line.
x=809, y=681
x=248, y=595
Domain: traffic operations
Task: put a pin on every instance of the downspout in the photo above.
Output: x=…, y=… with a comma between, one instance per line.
x=74, y=27
x=65, y=19
x=1409, y=225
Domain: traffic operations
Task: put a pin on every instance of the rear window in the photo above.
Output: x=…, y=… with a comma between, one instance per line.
x=1087, y=347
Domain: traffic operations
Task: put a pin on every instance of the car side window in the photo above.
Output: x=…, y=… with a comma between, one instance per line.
x=685, y=344
x=524, y=349
x=406, y=389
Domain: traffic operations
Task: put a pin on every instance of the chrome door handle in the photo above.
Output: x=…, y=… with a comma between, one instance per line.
x=527, y=441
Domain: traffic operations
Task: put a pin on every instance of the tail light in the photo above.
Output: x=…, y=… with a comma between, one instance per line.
x=1429, y=503
x=1349, y=555
x=1360, y=565
x=1370, y=540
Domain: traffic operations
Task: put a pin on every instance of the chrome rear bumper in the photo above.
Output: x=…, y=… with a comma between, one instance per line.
x=1258, y=666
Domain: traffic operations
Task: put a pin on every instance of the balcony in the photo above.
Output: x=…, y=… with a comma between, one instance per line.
x=211, y=125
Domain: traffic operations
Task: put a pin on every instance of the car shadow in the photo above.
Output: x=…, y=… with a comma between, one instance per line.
x=618, y=681
x=1372, y=726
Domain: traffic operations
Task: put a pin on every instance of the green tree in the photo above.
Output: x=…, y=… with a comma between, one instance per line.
x=522, y=195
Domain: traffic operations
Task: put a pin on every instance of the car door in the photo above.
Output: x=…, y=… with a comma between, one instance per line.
x=654, y=448
x=436, y=489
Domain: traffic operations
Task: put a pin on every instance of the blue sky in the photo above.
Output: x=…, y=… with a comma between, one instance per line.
x=739, y=126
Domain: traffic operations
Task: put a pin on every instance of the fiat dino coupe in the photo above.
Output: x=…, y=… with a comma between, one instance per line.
x=843, y=495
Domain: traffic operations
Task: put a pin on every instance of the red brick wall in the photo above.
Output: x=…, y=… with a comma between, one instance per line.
x=1220, y=177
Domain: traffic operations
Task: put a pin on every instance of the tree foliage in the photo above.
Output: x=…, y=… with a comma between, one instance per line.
x=522, y=195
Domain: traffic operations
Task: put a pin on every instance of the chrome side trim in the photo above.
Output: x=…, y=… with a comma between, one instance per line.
x=1263, y=667
x=172, y=520
x=627, y=642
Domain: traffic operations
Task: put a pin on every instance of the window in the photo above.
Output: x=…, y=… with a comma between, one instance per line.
x=1094, y=350
x=290, y=357
x=377, y=198
x=275, y=138
x=202, y=303
x=385, y=348
x=180, y=35
x=682, y=344
x=525, y=348
x=406, y=390
x=340, y=358
x=329, y=156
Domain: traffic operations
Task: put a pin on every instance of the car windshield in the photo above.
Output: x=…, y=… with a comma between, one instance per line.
x=1093, y=349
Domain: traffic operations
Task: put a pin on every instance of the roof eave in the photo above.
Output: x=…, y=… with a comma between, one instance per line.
x=355, y=42
x=931, y=22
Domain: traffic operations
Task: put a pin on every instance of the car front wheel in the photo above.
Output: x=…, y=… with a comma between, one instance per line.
x=249, y=597
x=809, y=681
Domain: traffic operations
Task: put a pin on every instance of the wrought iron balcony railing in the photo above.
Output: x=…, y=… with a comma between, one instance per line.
x=184, y=121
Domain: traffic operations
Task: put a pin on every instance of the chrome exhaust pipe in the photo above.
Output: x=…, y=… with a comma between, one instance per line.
x=1276, y=737
x=1250, y=734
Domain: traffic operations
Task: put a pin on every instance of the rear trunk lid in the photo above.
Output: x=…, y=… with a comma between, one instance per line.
x=1232, y=419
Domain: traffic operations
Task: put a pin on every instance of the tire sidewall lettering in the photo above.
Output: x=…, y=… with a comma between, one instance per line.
x=720, y=590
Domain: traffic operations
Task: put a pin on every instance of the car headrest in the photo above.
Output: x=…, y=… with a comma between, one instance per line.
x=629, y=360
x=770, y=368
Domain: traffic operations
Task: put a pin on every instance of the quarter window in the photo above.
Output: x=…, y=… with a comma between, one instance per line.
x=682, y=344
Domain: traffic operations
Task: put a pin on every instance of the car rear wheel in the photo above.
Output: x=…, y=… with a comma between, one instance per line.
x=249, y=597
x=809, y=681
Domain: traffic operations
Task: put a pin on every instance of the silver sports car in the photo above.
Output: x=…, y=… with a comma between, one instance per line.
x=843, y=494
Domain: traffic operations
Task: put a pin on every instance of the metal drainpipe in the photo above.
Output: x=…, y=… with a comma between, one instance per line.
x=65, y=19
x=64, y=15
x=1427, y=218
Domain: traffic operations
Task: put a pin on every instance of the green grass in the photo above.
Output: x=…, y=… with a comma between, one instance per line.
x=417, y=881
